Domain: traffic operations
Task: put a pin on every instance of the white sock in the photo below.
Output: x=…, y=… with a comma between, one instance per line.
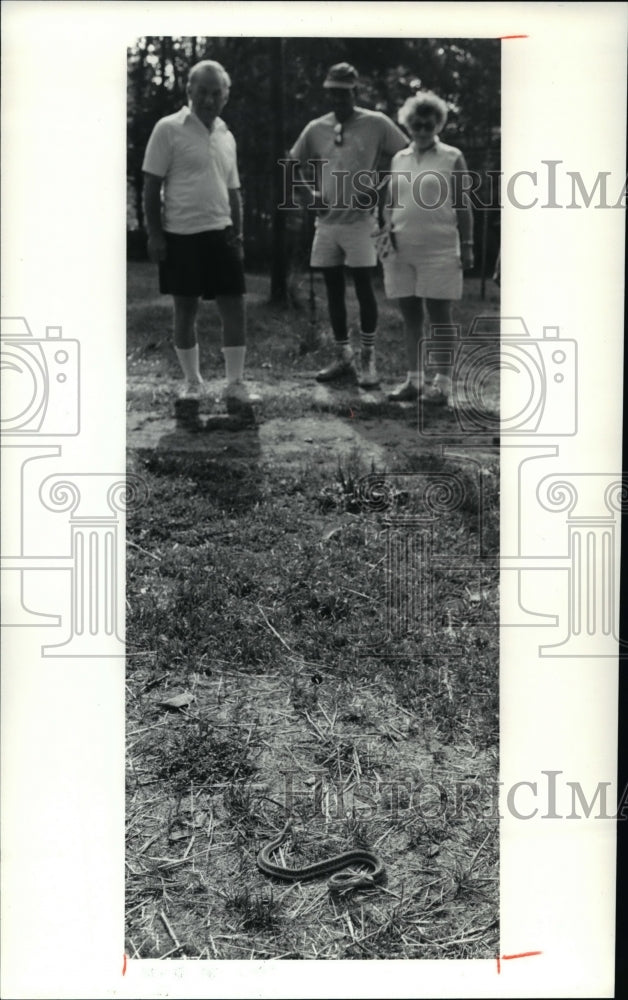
x=188, y=359
x=344, y=348
x=234, y=363
x=416, y=378
x=367, y=340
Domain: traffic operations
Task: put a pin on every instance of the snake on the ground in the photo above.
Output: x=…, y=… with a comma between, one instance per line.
x=356, y=856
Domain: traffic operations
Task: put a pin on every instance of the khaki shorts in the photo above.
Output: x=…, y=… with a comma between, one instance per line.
x=408, y=275
x=348, y=243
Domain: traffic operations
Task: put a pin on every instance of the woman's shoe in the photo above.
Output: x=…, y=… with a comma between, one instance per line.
x=437, y=394
x=408, y=392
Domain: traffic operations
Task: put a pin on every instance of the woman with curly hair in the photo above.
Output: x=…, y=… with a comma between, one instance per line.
x=430, y=221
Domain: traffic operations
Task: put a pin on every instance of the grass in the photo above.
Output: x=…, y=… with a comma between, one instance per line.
x=275, y=602
x=280, y=339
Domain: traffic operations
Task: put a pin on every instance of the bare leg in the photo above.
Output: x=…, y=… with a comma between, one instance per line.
x=233, y=315
x=412, y=312
x=185, y=310
x=185, y=342
x=440, y=314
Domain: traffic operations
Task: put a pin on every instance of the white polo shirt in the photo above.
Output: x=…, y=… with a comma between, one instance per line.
x=198, y=169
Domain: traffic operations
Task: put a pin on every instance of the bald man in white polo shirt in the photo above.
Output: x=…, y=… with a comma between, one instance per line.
x=193, y=213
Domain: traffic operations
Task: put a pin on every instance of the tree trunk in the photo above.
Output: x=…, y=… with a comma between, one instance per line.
x=140, y=81
x=278, y=277
x=175, y=70
x=139, y=194
x=163, y=62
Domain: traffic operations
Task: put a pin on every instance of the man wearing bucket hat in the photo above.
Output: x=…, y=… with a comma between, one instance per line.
x=351, y=144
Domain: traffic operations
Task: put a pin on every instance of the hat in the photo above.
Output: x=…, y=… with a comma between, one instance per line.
x=343, y=76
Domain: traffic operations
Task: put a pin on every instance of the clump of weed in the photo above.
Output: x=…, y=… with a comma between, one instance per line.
x=357, y=832
x=237, y=800
x=361, y=708
x=344, y=491
x=256, y=911
x=239, y=806
x=343, y=757
x=203, y=757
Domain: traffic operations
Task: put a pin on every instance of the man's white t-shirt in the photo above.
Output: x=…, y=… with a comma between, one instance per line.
x=198, y=168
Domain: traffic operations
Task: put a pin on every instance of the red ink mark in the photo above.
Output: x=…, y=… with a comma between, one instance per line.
x=351, y=413
x=524, y=954
x=506, y=958
x=124, y=966
x=503, y=38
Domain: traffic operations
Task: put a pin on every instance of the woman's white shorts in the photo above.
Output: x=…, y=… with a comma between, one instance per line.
x=413, y=272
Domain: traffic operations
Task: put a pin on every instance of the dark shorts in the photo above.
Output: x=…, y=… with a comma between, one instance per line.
x=202, y=265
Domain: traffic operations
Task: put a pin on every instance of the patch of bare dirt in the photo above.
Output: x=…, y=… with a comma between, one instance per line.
x=296, y=420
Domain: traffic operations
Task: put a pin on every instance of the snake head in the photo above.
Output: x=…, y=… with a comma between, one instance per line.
x=343, y=881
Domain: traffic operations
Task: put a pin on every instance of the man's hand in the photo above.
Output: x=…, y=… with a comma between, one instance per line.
x=157, y=247
x=385, y=242
x=235, y=241
x=316, y=201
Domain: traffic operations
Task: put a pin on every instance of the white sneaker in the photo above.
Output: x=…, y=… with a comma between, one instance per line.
x=439, y=393
x=369, y=378
x=340, y=368
x=238, y=399
x=192, y=390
